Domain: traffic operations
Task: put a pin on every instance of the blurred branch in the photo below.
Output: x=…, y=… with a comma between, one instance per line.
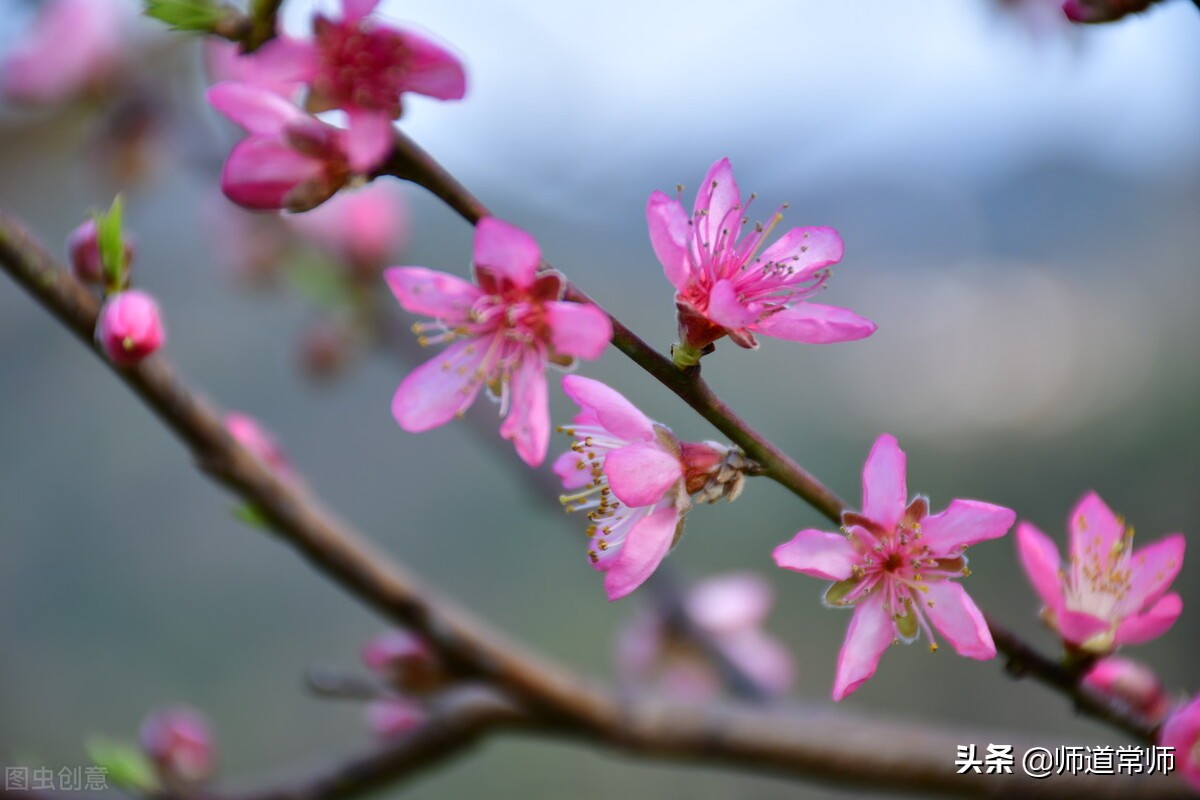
x=545, y=699
x=410, y=162
x=252, y=29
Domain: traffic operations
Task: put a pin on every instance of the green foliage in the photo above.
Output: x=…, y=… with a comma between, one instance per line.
x=127, y=767
x=112, y=246
x=187, y=15
x=253, y=516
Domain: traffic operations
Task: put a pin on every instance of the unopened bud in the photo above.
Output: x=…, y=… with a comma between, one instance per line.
x=404, y=661
x=713, y=471
x=130, y=327
x=392, y=717
x=83, y=246
x=1131, y=682
x=177, y=740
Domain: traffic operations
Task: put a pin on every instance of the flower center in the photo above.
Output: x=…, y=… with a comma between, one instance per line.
x=361, y=65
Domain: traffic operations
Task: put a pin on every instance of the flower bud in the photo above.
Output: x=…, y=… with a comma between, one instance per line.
x=712, y=471
x=1132, y=683
x=177, y=740
x=1181, y=733
x=262, y=445
x=393, y=717
x=403, y=660
x=83, y=246
x=130, y=328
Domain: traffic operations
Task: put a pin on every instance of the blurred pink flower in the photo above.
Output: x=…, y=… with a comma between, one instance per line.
x=632, y=478
x=251, y=246
x=290, y=159
x=1091, y=11
x=1131, y=682
x=362, y=67
x=392, y=716
x=362, y=228
x=261, y=444
x=178, y=741
x=225, y=62
x=130, y=327
x=897, y=566
x=74, y=45
x=729, y=610
x=504, y=328
x=1182, y=733
x=1109, y=594
x=723, y=287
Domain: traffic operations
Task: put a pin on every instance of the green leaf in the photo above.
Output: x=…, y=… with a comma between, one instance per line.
x=253, y=516
x=112, y=245
x=186, y=15
x=126, y=765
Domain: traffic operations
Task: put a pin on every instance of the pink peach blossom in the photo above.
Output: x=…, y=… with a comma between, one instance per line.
x=897, y=565
x=130, y=327
x=179, y=743
x=729, y=610
x=725, y=287
x=290, y=159
x=632, y=480
x=1182, y=733
x=1130, y=682
x=502, y=331
x=1108, y=594
x=362, y=228
x=363, y=67
x=74, y=45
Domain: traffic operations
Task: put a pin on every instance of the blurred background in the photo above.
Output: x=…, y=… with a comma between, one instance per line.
x=1019, y=202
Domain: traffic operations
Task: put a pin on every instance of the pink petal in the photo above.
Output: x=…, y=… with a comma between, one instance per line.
x=718, y=195
x=441, y=388
x=578, y=329
x=433, y=70
x=362, y=227
x=830, y=556
x=369, y=140
x=768, y=663
x=1182, y=733
x=613, y=412
x=280, y=65
x=885, y=491
x=815, y=323
x=506, y=251
x=645, y=547
x=1154, y=567
x=965, y=522
x=435, y=294
x=1094, y=529
x=257, y=110
x=639, y=474
x=573, y=469
x=725, y=309
x=528, y=420
x=871, y=631
x=732, y=602
x=668, y=236
x=72, y=45
x=955, y=614
x=1077, y=627
x=1152, y=624
x=355, y=10
x=805, y=250
x=1041, y=561
x=262, y=170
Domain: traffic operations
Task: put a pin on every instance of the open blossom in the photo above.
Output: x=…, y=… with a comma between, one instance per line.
x=1131, y=682
x=178, y=741
x=130, y=327
x=1108, y=594
x=363, y=67
x=290, y=159
x=635, y=480
x=897, y=566
x=729, y=610
x=362, y=228
x=502, y=331
x=725, y=286
x=73, y=45
x=1181, y=732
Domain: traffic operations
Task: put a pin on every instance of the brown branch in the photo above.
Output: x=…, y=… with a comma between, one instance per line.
x=547, y=699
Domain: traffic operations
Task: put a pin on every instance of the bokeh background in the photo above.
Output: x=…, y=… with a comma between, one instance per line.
x=1019, y=202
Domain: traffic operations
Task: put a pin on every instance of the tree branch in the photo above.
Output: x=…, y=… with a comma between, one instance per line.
x=547, y=700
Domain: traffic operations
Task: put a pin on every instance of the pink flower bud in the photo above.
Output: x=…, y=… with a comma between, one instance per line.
x=177, y=740
x=1182, y=733
x=404, y=660
x=83, y=245
x=393, y=717
x=130, y=327
x=1132, y=683
x=250, y=435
